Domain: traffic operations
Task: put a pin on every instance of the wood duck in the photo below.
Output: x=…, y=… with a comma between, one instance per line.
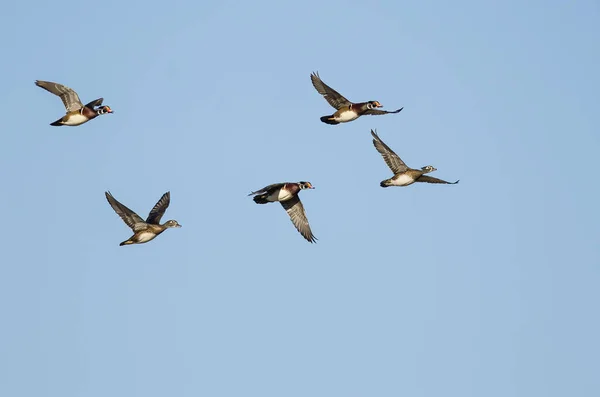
x=287, y=194
x=403, y=175
x=77, y=113
x=346, y=110
x=143, y=231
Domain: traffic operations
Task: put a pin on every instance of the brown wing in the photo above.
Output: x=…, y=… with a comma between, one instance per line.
x=391, y=159
x=332, y=96
x=430, y=179
x=69, y=97
x=295, y=210
x=133, y=220
x=159, y=209
x=374, y=112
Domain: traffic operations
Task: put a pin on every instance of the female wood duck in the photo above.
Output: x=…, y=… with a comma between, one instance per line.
x=346, y=110
x=77, y=114
x=143, y=231
x=403, y=175
x=287, y=194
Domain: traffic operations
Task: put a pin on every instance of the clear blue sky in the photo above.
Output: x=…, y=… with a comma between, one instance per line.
x=485, y=288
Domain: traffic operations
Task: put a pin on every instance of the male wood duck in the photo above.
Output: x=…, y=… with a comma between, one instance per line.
x=143, y=231
x=77, y=113
x=287, y=194
x=346, y=110
x=403, y=175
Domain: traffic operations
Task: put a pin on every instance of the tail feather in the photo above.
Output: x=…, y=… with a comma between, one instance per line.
x=127, y=242
x=329, y=120
x=57, y=123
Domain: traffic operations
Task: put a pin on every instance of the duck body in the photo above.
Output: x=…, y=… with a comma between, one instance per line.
x=277, y=193
x=349, y=113
x=81, y=116
x=404, y=179
x=145, y=235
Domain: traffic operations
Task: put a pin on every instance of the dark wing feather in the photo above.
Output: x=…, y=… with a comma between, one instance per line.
x=133, y=220
x=295, y=210
x=374, y=112
x=334, y=98
x=267, y=188
x=430, y=179
x=67, y=95
x=95, y=103
x=391, y=159
x=159, y=209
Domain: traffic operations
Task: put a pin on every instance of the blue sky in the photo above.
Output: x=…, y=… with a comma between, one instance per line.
x=485, y=288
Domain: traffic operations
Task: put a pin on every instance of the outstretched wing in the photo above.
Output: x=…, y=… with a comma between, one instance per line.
x=430, y=179
x=391, y=159
x=267, y=188
x=67, y=95
x=133, y=220
x=334, y=98
x=295, y=210
x=374, y=112
x=159, y=209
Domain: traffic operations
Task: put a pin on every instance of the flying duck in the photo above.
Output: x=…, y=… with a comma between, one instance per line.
x=143, y=231
x=77, y=113
x=287, y=194
x=345, y=110
x=403, y=175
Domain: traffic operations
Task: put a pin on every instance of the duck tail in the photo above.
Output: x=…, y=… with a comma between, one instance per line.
x=57, y=123
x=128, y=242
x=329, y=120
